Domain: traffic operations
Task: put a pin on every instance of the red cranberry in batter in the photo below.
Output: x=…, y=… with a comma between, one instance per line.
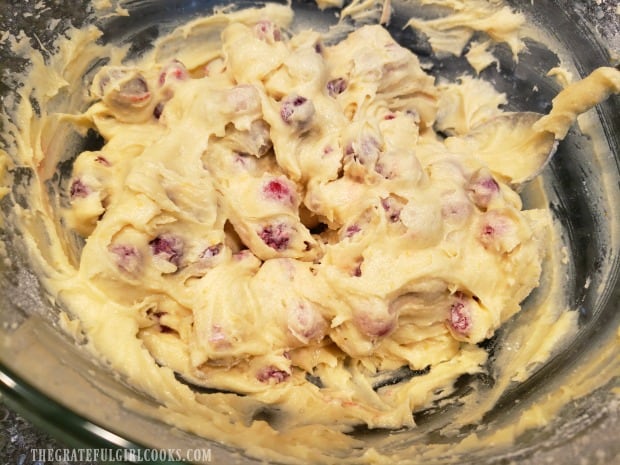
x=336, y=86
x=211, y=251
x=127, y=257
x=460, y=316
x=482, y=188
x=174, y=71
x=279, y=189
x=78, y=189
x=270, y=372
x=297, y=111
x=277, y=236
x=102, y=161
x=268, y=31
x=168, y=247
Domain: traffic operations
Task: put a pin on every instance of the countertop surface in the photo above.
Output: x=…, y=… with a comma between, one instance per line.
x=20, y=441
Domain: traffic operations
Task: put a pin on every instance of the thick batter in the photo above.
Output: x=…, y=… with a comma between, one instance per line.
x=284, y=219
x=281, y=220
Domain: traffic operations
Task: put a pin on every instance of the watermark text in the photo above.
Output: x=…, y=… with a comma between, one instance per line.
x=121, y=455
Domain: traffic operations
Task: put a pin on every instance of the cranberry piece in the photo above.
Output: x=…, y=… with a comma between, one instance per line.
x=212, y=251
x=336, y=86
x=352, y=230
x=456, y=207
x=304, y=322
x=102, y=160
x=270, y=372
x=392, y=209
x=168, y=247
x=278, y=189
x=276, y=236
x=175, y=71
x=376, y=327
x=127, y=257
x=460, y=317
x=78, y=189
x=297, y=111
x=365, y=152
x=456, y=211
x=158, y=110
x=498, y=232
x=482, y=188
x=487, y=232
x=268, y=31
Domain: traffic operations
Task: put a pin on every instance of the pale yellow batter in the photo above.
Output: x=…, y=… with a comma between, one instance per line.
x=275, y=217
x=281, y=220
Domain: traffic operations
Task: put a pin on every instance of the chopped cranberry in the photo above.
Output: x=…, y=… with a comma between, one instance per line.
x=456, y=211
x=127, y=257
x=460, y=317
x=279, y=190
x=389, y=116
x=276, y=236
x=79, y=189
x=168, y=247
x=212, y=251
x=158, y=110
x=487, y=233
x=497, y=231
x=392, y=209
x=304, y=322
x=352, y=230
x=456, y=207
x=174, y=71
x=357, y=271
x=482, y=188
x=268, y=31
x=297, y=111
x=365, y=152
x=375, y=327
x=336, y=86
x=318, y=48
x=102, y=160
x=270, y=372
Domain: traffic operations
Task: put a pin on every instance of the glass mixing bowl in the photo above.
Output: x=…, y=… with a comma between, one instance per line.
x=47, y=377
